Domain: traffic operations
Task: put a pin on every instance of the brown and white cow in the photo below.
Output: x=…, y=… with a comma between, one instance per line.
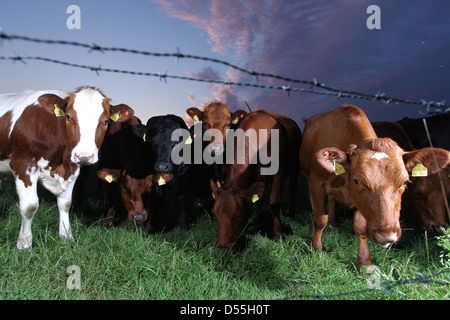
x=45, y=136
x=424, y=201
x=217, y=116
x=343, y=141
x=244, y=182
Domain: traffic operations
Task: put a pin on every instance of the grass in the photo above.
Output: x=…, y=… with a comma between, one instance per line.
x=130, y=263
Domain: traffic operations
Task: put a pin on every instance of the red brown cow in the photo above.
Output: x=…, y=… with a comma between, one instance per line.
x=244, y=180
x=343, y=141
x=217, y=116
x=45, y=136
x=424, y=200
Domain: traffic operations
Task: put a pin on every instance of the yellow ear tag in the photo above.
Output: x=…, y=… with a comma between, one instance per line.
x=145, y=137
x=218, y=184
x=58, y=111
x=338, y=168
x=419, y=170
x=161, y=181
x=196, y=118
x=115, y=116
x=188, y=140
x=109, y=178
x=214, y=197
x=235, y=120
x=255, y=198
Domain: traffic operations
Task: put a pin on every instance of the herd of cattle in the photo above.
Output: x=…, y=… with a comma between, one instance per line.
x=375, y=168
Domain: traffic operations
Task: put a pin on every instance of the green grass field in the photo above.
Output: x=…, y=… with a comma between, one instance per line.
x=130, y=263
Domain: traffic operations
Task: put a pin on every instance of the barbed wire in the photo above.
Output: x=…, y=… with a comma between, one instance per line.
x=325, y=90
x=386, y=286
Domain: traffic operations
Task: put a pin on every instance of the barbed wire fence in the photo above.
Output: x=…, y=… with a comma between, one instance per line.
x=315, y=87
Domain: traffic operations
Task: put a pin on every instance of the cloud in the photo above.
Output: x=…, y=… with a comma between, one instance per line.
x=328, y=41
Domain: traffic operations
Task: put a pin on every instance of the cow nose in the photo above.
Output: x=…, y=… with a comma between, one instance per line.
x=216, y=149
x=84, y=158
x=163, y=166
x=385, y=239
x=139, y=217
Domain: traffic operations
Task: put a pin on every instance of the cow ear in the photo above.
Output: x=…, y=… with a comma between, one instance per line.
x=195, y=114
x=214, y=185
x=238, y=116
x=121, y=113
x=422, y=162
x=149, y=181
x=333, y=160
x=53, y=104
x=255, y=192
x=108, y=175
x=141, y=132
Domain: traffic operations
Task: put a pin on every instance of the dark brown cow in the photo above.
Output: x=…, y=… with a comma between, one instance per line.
x=244, y=182
x=126, y=166
x=45, y=136
x=343, y=141
x=424, y=202
x=217, y=116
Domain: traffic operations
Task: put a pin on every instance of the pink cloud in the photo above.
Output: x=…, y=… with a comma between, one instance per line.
x=317, y=39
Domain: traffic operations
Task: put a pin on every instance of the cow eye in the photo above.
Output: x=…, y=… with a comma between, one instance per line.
x=356, y=181
x=68, y=118
x=105, y=122
x=228, y=125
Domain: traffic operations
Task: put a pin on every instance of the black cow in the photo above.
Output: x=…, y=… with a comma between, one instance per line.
x=170, y=190
x=125, y=166
x=438, y=127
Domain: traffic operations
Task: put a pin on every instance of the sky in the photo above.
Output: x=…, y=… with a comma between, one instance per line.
x=408, y=57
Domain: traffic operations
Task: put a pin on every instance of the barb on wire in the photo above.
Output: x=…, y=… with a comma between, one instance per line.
x=439, y=106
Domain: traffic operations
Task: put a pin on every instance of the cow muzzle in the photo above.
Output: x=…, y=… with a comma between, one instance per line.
x=84, y=158
x=385, y=239
x=163, y=167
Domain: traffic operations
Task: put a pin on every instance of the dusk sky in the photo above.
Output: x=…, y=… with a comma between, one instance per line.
x=408, y=58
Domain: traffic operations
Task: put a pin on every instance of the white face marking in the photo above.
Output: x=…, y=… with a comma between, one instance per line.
x=88, y=106
x=379, y=155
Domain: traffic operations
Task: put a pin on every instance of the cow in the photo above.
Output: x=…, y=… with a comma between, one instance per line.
x=423, y=203
x=245, y=181
x=217, y=116
x=126, y=167
x=438, y=128
x=45, y=136
x=343, y=141
x=200, y=174
x=170, y=190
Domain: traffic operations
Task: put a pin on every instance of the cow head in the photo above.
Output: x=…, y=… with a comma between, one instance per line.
x=158, y=136
x=232, y=210
x=217, y=116
x=86, y=113
x=378, y=172
x=425, y=195
x=132, y=191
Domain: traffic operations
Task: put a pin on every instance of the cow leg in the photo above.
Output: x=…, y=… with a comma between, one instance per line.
x=320, y=217
x=359, y=225
x=64, y=201
x=28, y=203
x=331, y=207
x=293, y=186
x=275, y=204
